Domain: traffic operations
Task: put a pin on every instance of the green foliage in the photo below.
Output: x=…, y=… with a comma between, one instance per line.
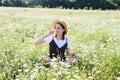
x=0, y=2
x=71, y=4
x=14, y=3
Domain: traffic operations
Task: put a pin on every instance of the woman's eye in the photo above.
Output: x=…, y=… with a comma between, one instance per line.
x=58, y=27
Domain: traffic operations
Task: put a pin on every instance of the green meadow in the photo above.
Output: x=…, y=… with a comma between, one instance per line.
x=94, y=35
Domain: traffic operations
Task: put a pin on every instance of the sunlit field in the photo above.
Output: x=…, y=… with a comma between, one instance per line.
x=94, y=35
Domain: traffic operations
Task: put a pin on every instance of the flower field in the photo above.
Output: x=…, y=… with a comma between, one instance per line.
x=94, y=35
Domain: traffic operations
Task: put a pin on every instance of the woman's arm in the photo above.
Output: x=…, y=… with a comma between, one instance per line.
x=68, y=51
x=41, y=40
x=70, y=55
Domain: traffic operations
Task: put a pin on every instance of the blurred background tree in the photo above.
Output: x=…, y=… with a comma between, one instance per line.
x=13, y=3
x=71, y=4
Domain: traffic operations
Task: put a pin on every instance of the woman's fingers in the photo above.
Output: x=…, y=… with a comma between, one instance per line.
x=52, y=31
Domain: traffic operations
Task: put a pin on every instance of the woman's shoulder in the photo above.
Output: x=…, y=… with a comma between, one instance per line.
x=68, y=42
x=66, y=38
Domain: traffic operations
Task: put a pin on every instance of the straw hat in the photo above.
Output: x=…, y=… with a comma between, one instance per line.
x=60, y=22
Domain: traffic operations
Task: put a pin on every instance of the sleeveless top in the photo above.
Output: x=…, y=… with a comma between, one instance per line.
x=55, y=51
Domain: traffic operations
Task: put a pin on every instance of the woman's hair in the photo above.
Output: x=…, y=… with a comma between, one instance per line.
x=63, y=35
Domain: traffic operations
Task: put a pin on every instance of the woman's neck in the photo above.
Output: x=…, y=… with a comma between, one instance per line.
x=59, y=37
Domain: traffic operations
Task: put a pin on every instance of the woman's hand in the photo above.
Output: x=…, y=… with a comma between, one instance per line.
x=52, y=31
x=72, y=55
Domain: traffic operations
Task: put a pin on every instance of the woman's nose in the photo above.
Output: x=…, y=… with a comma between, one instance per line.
x=57, y=29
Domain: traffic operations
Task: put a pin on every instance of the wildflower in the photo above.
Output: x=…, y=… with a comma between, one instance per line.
x=54, y=79
x=19, y=70
x=25, y=65
x=90, y=77
x=26, y=70
x=59, y=73
x=76, y=76
x=118, y=78
x=54, y=59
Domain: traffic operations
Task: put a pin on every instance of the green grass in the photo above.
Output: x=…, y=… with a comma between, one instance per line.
x=95, y=36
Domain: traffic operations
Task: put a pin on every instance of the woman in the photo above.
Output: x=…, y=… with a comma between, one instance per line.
x=58, y=43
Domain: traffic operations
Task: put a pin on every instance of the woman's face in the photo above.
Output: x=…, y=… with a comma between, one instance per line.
x=59, y=29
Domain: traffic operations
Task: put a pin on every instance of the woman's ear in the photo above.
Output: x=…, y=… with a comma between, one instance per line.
x=63, y=30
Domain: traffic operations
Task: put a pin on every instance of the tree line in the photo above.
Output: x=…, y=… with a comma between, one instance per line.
x=71, y=4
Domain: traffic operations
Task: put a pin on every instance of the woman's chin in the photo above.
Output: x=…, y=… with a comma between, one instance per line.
x=57, y=33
